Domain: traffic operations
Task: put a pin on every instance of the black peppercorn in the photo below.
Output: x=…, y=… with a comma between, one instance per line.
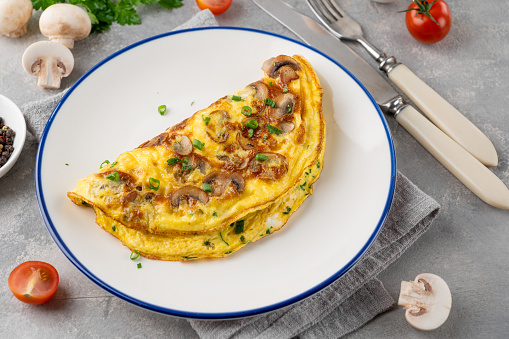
x=6, y=142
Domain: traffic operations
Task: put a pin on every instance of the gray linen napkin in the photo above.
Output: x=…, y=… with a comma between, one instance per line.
x=346, y=304
x=352, y=300
x=37, y=113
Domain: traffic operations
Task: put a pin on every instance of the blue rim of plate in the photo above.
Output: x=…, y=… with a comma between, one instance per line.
x=199, y=315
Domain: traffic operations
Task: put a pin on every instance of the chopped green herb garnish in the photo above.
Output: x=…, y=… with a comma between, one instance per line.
x=207, y=188
x=186, y=257
x=135, y=255
x=214, y=214
x=113, y=164
x=201, y=211
x=236, y=98
x=265, y=137
x=161, y=109
x=261, y=157
x=242, y=238
x=113, y=228
x=303, y=186
x=184, y=164
x=221, y=235
x=206, y=243
x=274, y=64
x=288, y=209
x=239, y=226
x=205, y=119
x=267, y=231
x=285, y=90
x=104, y=163
x=139, y=265
x=173, y=161
x=246, y=110
x=198, y=144
x=289, y=109
x=270, y=103
x=113, y=176
x=318, y=164
x=192, y=103
x=84, y=203
x=250, y=132
x=154, y=183
x=228, y=252
x=66, y=164
x=252, y=123
x=270, y=84
x=273, y=130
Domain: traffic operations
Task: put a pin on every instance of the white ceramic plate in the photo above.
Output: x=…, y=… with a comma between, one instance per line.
x=12, y=117
x=113, y=108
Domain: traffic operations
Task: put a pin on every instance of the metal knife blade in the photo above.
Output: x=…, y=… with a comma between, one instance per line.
x=472, y=173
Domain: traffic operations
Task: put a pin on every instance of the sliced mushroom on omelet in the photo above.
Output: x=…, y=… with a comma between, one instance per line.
x=242, y=160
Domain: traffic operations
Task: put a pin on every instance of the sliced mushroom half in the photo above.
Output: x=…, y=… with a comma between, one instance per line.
x=287, y=74
x=270, y=166
x=286, y=127
x=217, y=126
x=156, y=141
x=220, y=181
x=188, y=192
x=285, y=103
x=261, y=89
x=273, y=66
x=427, y=301
x=182, y=145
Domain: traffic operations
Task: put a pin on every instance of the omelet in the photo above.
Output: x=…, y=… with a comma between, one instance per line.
x=244, y=160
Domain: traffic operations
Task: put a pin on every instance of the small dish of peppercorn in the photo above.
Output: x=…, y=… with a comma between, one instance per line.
x=12, y=134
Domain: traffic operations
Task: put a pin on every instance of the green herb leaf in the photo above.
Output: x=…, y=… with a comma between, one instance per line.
x=285, y=90
x=205, y=119
x=214, y=214
x=162, y=109
x=207, y=188
x=288, y=209
x=113, y=228
x=273, y=130
x=173, y=161
x=261, y=157
x=198, y=144
x=270, y=84
x=221, y=235
x=113, y=176
x=113, y=164
x=206, y=243
x=239, y=226
x=105, y=162
x=139, y=265
x=154, y=183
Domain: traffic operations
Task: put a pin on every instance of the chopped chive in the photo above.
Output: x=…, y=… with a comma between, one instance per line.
x=239, y=226
x=285, y=90
x=236, y=98
x=270, y=84
x=273, y=130
x=135, y=255
x=201, y=211
x=242, y=238
x=261, y=157
x=104, y=163
x=265, y=137
x=198, y=144
x=192, y=103
x=288, y=209
x=184, y=164
x=274, y=64
x=113, y=164
x=162, y=109
x=288, y=109
x=318, y=164
x=267, y=231
x=113, y=176
x=66, y=164
x=139, y=265
x=246, y=110
x=113, y=228
x=207, y=188
x=186, y=257
x=270, y=103
x=228, y=252
x=214, y=214
x=173, y=161
x=221, y=235
x=205, y=119
x=153, y=182
x=206, y=243
x=250, y=133
x=252, y=123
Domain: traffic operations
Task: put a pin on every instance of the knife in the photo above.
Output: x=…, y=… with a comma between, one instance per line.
x=472, y=173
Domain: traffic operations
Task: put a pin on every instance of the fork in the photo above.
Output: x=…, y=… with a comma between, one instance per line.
x=436, y=108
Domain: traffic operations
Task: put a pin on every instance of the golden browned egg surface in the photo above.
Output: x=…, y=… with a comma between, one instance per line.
x=230, y=174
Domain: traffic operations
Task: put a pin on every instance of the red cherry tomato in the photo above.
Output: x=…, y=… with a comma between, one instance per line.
x=422, y=27
x=216, y=6
x=34, y=282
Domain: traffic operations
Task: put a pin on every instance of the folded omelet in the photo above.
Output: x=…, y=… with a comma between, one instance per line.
x=221, y=178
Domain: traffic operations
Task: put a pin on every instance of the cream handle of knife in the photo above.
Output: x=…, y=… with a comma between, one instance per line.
x=477, y=177
x=444, y=115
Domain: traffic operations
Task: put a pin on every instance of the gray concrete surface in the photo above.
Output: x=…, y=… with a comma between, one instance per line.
x=467, y=244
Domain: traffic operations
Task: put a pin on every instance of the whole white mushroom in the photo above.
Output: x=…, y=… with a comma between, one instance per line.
x=65, y=23
x=14, y=15
x=49, y=61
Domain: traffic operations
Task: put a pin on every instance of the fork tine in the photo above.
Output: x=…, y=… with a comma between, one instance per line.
x=338, y=9
x=320, y=10
x=332, y=8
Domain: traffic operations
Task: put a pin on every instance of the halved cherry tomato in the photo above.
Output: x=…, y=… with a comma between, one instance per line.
x=216, y=6
x=34, y=282
x=422, y=27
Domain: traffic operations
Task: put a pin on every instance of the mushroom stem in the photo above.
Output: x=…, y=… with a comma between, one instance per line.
x=49, y=74
x=18, y=32
x=67, y=42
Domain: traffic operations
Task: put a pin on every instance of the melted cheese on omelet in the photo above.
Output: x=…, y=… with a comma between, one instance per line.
x=249, y=149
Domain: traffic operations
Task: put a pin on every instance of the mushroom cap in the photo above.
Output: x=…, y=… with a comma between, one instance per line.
x=427, y=301
x=44, y=49
x=65, y=21
x=14, y=14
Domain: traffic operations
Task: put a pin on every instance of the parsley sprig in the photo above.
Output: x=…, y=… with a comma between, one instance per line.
x=103, y=13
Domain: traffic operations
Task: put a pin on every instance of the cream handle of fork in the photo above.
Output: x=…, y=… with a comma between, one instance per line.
x=474, y=175
x=444, y=115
